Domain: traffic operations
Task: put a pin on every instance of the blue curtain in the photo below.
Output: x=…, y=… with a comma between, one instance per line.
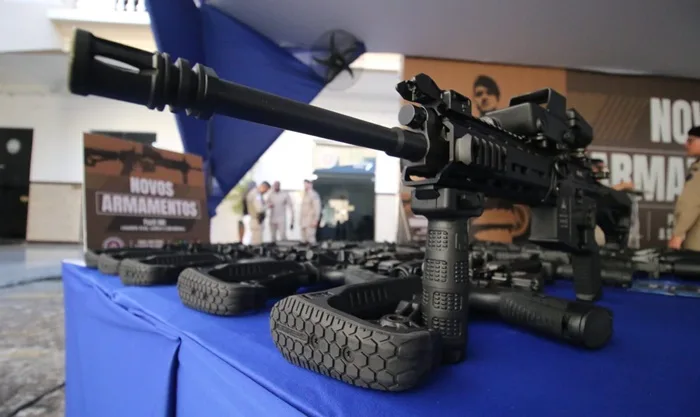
x=237, y=53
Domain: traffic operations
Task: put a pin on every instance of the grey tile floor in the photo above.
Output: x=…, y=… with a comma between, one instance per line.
x=30, y=261
x=31, y=329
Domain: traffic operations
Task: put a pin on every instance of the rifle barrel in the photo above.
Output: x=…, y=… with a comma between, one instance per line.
x=153, y=80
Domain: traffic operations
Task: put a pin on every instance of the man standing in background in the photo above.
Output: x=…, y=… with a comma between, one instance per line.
x=279, y=202
x=502, y=221
x=310, y=213
x=244, y=224
x=256, y=210
x=686, y=225
x=486, y=94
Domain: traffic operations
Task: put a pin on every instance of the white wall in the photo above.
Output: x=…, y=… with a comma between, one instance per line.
x=224, y=226
x=60, y=120
x=25, y=27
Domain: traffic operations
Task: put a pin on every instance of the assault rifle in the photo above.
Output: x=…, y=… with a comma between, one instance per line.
x=149, y=159
x=129, y=159
x=622, y=268
x=523, y=274
x=158, y=160
x=551, y=260
x=531, y=152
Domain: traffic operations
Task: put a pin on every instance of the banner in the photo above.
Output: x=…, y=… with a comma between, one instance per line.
x=490, y=87
x=137, y=195
x=639, y=124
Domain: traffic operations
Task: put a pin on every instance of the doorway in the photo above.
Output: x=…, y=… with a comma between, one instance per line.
x=348, y=201
x=15, y=164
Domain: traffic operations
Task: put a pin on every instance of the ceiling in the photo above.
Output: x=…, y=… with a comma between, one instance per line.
x=639, y=37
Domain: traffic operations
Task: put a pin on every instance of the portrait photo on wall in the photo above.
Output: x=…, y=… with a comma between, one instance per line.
x=490, y=87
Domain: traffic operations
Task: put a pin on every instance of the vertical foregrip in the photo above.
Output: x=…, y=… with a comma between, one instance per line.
x=446, y=285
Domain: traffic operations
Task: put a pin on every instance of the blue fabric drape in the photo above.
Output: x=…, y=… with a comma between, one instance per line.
x=237, y=53
x=137, y=351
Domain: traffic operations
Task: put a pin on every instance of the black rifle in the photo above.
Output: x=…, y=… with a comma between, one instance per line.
x=370, y=255
x=129, y=159
x=271, y=271
x=682, y=264
x=149, y=159
x=523, y=274
x=158, y=160
x=108, y=261
x=622, y=267
x=550, y=260
x=531, y=152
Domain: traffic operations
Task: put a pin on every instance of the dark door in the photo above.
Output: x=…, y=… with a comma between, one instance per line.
x=358, y=191
x=15, y=164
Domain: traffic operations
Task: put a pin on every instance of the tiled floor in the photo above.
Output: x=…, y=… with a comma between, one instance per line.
x=31, y=329
x=30, y=261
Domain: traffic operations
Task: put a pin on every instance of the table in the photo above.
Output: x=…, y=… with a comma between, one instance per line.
x=138, y=352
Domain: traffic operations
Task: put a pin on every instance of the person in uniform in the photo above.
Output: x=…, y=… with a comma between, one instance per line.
x=278, y=202
x=686, y=224
x=310, y=213
x=256, y=210
x=244, y=224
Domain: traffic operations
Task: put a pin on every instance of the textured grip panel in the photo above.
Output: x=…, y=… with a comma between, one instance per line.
x=92, y=259
x=108, y=265
x=543, y=314
x=202, y=292
x=445, y=285
x=318, y=337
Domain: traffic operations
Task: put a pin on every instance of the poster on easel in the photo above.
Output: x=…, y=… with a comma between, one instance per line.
x=139, y=196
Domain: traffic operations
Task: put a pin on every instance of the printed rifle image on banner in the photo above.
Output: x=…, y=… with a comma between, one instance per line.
x=490, y=87
x=640, y=126
x=137, y=195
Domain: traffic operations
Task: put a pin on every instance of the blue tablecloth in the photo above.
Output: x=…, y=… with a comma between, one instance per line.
x=138, y=352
